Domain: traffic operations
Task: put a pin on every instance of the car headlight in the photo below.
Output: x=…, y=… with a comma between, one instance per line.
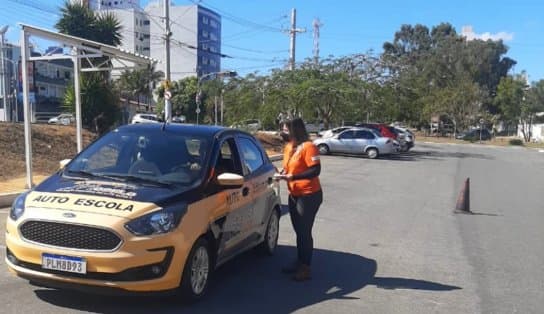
x=18, y=207
x=158, y=222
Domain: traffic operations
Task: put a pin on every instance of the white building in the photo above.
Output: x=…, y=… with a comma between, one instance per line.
x=110, y=4
x=195, y=49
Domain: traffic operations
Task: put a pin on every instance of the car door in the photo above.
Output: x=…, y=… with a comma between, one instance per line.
x=258, y=173
x=232, y=214
x=360, y=141
x=346, y=142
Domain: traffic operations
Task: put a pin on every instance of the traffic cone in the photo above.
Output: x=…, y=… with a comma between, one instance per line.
x=463, y=201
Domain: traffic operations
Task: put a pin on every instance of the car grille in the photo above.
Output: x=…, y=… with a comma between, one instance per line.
x=69, y=236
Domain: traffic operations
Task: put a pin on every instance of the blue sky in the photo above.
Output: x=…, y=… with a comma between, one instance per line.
x=348, y=26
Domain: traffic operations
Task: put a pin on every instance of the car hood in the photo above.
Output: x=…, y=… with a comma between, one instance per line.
x=110, y=198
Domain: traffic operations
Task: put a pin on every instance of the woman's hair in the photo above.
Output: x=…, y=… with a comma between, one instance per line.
x=297, y=131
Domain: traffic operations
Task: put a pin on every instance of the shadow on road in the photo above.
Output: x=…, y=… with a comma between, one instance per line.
x=436, y=155
x=251, y=284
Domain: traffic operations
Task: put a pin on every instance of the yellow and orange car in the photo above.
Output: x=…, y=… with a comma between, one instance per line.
x=146, y=208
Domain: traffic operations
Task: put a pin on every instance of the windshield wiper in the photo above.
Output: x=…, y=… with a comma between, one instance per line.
x=92, y=174
x=133, y=178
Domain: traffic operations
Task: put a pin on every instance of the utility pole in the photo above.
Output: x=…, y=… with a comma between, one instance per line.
x=317, y=24
x=4, y=93
x=293, y=34
x=167, y=34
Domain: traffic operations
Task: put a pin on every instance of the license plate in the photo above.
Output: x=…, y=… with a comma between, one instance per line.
x=69, y=264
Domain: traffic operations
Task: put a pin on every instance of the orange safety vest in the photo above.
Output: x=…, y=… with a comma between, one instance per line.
x=298, y=159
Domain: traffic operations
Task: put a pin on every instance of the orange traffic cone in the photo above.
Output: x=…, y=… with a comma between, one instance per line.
x=463, y=201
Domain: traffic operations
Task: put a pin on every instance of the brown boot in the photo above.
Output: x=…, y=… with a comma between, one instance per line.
x=303, y=273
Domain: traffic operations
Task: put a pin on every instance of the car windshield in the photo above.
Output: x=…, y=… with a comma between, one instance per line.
x=144, y=156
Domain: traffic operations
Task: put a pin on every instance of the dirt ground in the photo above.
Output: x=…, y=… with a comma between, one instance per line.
x=51, y=144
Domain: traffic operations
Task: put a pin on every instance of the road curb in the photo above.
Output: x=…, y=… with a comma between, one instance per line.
x=6, y=199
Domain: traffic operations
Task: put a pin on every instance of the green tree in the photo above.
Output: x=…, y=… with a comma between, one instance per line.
x=183, y=97
x=99, y=101
x=139, y=83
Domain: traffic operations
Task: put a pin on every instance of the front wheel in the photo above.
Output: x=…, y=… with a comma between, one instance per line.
x=323, y=149
x=372, y=153
x=197, y=271
x=271, y=236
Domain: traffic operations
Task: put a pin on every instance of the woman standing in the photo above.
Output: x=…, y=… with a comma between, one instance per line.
x=301, y=169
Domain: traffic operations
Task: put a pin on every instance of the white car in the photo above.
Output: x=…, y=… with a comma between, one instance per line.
x=64, y=119
x=331, y=132
x=358, y=141
x=145, y=118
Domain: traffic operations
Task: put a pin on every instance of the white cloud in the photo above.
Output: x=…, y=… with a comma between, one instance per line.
x=469, y=33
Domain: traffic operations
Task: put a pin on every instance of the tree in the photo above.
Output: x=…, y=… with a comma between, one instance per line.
x=79, y=20
x=99, y=102
x=139, y=82
x=183, y=97
x=510, y=94
x=532, y=104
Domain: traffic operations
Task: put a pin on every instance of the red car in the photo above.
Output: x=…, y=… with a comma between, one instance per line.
x=384, y=129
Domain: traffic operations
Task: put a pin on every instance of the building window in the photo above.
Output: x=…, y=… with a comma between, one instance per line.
x=205, y=34
x=136, y=21
x=205, y=47
x=146, y=36
x=212, y=62
x=115, y=2
x=146, y=22
x=213, y=49
x=213, y=23
x=204, y=60
x=213, y=36
x=67, y=75
x=205, y=20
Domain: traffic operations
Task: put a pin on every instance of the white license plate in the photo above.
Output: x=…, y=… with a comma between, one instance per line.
x=69, y=264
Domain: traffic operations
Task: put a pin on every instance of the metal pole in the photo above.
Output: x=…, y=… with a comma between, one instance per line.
x=215, y=106
x=167, y=38
x=77, y=70
x=222, y=106
x=4, y=93
x=26, y=107
x=293, y=39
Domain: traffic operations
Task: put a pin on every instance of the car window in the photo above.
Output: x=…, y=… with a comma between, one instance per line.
x=105, y=158
x=251, y=155
x=364, y=135
x=347, y=135
x=227, y=160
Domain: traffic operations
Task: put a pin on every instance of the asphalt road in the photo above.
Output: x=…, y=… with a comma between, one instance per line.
x=387, y=241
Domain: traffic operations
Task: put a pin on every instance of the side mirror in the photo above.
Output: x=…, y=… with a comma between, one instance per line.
x=230, y=180
x=63, y=163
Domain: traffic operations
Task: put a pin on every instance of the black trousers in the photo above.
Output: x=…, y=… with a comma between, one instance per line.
x=302, y=210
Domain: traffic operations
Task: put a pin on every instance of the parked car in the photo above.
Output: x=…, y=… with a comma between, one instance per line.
x=475, y=135
x=179, y=119
x=358, y=141
x=146, y=208
x=64, y=119
x=405, y=137
x=145, y=118
x=383, y=129
x=314, y=127
x=252, y=125
x=331, y=132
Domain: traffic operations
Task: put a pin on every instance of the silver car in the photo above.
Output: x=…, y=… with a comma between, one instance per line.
x=358, y=141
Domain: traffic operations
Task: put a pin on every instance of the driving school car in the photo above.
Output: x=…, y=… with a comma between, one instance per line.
x=146, y=208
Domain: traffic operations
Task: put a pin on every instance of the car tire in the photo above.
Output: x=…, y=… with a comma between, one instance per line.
x=197, y=272
x=372, y=153
x=270, y=241
x=323, y=149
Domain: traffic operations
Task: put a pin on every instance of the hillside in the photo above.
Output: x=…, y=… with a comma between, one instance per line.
x=50, y=144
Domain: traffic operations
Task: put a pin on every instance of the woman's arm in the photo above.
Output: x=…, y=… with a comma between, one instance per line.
x=312, y=172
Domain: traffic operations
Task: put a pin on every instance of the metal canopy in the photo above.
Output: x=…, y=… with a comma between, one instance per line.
x=93, y=52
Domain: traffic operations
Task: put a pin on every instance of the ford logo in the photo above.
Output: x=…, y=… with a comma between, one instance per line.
x=69, y=215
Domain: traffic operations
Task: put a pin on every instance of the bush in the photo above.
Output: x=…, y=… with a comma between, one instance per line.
x=516, y=142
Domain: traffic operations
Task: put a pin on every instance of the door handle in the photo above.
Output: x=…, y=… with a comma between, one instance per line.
x=245, y=191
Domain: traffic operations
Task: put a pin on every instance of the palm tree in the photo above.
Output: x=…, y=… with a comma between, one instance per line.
x=140, y=82
x=78, y=20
